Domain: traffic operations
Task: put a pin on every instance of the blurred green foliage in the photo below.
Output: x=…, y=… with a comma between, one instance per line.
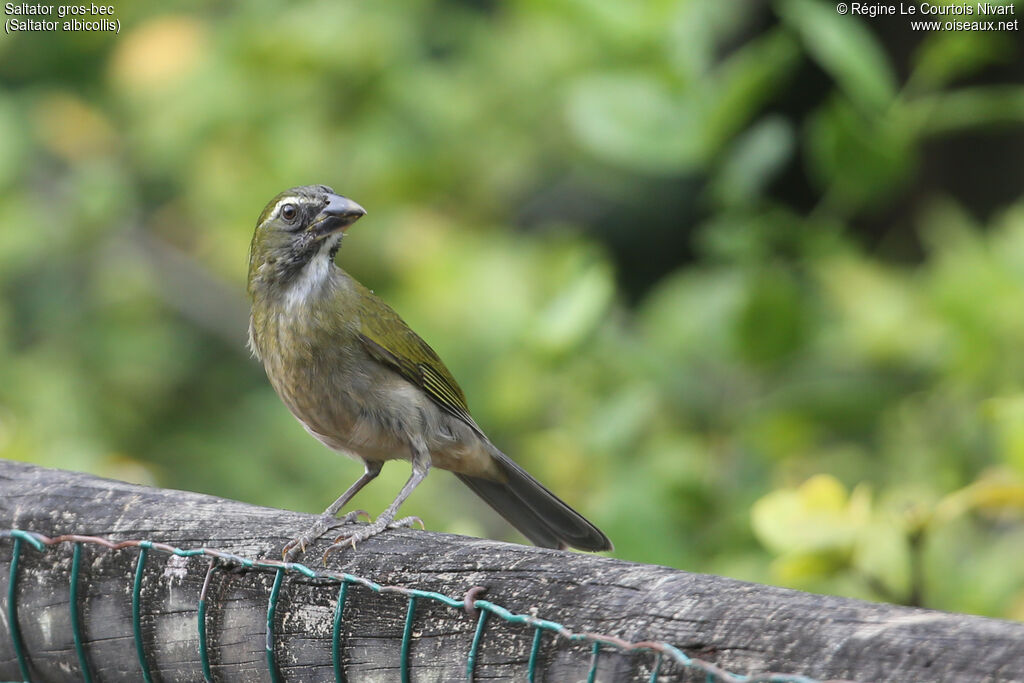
x=787, y=404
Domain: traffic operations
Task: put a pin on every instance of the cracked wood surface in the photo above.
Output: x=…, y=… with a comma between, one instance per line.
x=742, y=627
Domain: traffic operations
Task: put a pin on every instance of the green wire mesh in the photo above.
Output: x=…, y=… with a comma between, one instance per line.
x=339, y=609
x=76, y=622
x=137, y=612
x=407, y=638
x=12, y=612
x=662, y=652
x=275, y=674
x=477, y=636
x=204, y=655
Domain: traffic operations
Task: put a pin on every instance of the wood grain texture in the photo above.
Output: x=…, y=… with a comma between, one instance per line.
x=742, y=627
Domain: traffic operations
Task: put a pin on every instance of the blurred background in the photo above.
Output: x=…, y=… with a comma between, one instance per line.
x=742, y=281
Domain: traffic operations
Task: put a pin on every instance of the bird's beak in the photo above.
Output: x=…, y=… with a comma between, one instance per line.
x=339, y=213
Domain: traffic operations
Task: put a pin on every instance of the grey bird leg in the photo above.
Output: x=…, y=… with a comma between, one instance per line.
x=327, y=520
x=386, y=519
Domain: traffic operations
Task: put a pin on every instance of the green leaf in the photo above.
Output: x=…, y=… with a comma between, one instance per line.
x=772, y=325
x=863, y=160
x=968, y=108
x=633, y=120
x=753, y=161
x=742, y=83
x=1005, y=414
x=14, y=145
x=845, y=48
x=575, y=312
x=948, y=55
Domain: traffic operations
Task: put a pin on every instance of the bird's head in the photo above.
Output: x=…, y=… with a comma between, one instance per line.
x=298, y=226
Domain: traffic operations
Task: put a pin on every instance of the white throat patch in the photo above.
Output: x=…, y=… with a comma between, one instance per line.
x=313, y=275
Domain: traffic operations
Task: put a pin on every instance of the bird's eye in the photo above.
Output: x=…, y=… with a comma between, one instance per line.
x=289, y=212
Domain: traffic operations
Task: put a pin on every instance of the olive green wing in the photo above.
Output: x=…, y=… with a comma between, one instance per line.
x=388, y=340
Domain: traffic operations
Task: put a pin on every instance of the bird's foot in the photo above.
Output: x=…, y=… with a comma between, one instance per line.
x=325, y=523
x=351, y=538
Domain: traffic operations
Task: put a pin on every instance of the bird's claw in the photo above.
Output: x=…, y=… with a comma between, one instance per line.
x=353, y=517
x=297, y=546
x=407, y=523
x=294, y=548
x=369, y=531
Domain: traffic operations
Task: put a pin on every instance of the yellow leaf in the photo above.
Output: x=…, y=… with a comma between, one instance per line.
x=816, y=517
x=158, y=53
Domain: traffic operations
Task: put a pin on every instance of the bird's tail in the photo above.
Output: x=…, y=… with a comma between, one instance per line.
x=535, y=511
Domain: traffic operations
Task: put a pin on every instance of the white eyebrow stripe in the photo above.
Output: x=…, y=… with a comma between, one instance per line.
x=287, y=200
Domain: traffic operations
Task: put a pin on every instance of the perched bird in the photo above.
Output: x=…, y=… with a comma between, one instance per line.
x=363, y=383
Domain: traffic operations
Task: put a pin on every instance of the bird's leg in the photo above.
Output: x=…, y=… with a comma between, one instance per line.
x=386, y=519
x=328, y=519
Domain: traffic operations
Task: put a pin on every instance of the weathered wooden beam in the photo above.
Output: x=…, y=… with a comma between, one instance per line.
x=740, y=627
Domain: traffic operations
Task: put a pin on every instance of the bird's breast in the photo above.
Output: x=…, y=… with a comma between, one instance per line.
x=353, y=403
x=341, y=395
